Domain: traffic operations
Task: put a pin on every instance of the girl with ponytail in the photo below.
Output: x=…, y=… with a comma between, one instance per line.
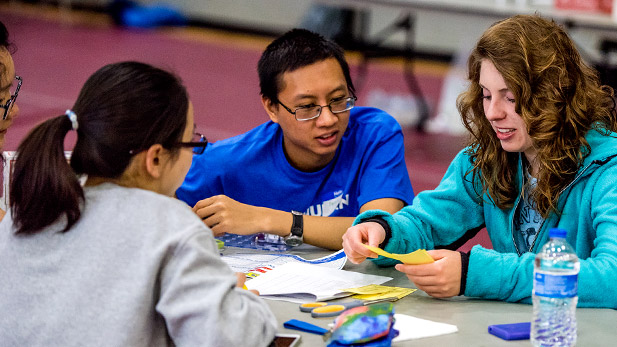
x=117, y=261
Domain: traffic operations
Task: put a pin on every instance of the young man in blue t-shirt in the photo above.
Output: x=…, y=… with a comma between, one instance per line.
x=317, y=163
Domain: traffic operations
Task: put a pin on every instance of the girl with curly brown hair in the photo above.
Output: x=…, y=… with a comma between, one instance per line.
x=542, y=154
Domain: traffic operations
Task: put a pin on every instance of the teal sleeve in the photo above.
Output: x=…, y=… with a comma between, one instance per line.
x=499, y=276
x=598, y=274
x=438, y=217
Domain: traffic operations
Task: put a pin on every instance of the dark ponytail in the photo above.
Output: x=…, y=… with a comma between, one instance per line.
x=122, y=109
x=44, y=186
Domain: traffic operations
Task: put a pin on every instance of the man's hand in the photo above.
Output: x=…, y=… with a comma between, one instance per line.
x=370, y=233
x=226, y=215
x=441, y=279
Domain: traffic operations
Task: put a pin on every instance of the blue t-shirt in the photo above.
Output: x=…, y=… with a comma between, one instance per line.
x=252, y=168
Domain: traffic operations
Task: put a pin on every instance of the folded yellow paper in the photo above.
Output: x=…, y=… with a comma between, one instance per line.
x=414, y=258
x=376, y=291
x=370, y=289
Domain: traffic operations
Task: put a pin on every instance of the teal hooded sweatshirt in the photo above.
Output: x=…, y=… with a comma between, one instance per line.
x=453, y=212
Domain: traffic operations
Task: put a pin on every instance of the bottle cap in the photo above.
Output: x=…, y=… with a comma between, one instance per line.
x=557, y=232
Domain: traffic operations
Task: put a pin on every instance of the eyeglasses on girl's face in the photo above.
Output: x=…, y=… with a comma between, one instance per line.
x=11, y=101
x=198, y=142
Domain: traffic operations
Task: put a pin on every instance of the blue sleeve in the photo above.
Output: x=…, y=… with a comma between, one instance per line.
x=384, y=173
x=200, y=182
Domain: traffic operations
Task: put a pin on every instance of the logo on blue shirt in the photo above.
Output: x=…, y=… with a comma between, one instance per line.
x=326, y=208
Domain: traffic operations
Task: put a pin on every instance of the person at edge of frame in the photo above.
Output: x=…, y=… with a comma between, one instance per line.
x=9, y=87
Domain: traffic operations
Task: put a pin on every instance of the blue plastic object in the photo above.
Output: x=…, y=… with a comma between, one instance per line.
x=304, y=326
x=153, y=16
x=132, y=14
x=513, y=331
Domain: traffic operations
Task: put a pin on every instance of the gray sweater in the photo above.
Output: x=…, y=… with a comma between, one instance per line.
x=138, y=269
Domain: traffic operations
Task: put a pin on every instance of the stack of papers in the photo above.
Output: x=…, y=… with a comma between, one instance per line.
x=301, y=283
x=255, y=264
x=377, y=292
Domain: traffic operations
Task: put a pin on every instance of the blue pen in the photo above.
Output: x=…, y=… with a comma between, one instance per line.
x=304, y=326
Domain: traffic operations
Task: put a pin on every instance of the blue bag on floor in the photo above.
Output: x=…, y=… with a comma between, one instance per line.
x=129, y=13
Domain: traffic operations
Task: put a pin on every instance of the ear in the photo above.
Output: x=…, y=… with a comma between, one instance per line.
x=271, y=108
x=155, y=159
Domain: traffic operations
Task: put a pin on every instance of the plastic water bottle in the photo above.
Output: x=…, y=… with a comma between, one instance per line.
x=555, y=290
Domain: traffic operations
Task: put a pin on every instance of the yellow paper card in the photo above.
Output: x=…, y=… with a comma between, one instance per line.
x=375, y=291
x=418, y=257
x=395, y=293
x=369, y=289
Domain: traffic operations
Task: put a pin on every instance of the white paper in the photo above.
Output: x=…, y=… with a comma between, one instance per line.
x=300, y=283
x=410, y=328
x=256, y=262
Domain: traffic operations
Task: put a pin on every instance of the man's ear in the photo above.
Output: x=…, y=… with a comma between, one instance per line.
x=155, y=160
x=271, y=108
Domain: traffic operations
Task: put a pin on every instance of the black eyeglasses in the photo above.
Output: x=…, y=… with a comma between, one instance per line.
x=309, y=112
x=11, y=101
x=198, y=142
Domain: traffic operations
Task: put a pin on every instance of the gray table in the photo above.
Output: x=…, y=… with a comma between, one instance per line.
x=596, y=327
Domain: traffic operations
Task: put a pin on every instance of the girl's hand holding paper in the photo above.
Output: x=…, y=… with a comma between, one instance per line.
x=420, y=256
x=357, y=236
x=437, y=272
x=440, y=278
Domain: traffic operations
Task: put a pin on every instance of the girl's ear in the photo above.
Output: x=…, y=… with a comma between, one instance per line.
x=271, y=108
x=155, y=160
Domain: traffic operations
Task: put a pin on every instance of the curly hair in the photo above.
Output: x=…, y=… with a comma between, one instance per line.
x=558, y=96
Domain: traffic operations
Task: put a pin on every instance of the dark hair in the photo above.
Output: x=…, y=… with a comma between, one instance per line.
x=295, y=49
x=559, y=97
x=4, y=44
x=121, y=109
x=4, y=38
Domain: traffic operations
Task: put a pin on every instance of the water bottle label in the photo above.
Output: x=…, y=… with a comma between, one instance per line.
x=555, y=286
